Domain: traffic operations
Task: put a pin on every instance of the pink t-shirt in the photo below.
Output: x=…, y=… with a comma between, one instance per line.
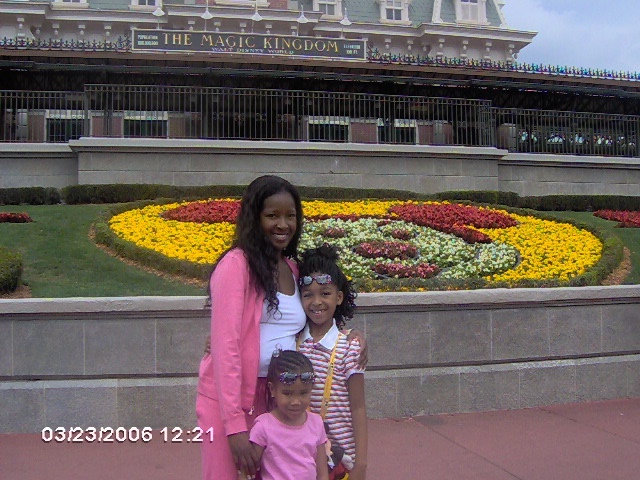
x=289, y=452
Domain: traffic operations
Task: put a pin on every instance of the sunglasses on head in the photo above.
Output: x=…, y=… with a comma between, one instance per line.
x=289, y=378
x=323, y=279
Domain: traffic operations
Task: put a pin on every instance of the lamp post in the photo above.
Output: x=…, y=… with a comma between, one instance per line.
x=158, y=13
x=206, y=15
x=256, y=17
x=345, y=22
x=302, y=19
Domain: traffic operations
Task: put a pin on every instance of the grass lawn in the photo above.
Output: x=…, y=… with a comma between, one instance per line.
x=60, y=260
x=629, y=236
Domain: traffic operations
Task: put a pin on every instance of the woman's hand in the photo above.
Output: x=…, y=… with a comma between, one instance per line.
x=245, y=457
x=364, y=353
x=207, y=345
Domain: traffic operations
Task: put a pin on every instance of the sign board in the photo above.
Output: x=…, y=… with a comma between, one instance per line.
x=248, y=43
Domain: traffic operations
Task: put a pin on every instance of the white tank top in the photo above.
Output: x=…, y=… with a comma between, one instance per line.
x=278, y=329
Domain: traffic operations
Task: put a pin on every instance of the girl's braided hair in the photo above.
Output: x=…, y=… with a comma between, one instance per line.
x=324, y=260
x=287, y=361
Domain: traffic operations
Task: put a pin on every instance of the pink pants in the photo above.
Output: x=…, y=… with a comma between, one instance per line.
x=217, y=460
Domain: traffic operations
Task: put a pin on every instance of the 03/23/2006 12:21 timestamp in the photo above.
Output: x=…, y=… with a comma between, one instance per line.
x=122, y=435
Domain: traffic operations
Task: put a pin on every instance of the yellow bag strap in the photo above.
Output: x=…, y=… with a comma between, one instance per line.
x=326, y=396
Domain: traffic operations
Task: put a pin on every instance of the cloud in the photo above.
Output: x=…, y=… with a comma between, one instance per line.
x=578, y=33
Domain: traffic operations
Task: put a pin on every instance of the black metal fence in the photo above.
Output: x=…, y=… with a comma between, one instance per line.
x=254, y=114
x=576, y=133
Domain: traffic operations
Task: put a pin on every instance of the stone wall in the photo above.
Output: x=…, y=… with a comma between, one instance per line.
x=133, y=361
x=37, y=165
x=419, y=168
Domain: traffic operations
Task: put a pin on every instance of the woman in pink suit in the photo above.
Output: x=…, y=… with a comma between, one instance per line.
x=254, y=307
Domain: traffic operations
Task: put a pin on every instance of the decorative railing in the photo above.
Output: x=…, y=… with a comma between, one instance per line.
x=576, y=133
x=298, y=115
x=123, y=44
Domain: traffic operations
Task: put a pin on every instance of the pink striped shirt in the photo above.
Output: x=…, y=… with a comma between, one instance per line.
x=346, y=364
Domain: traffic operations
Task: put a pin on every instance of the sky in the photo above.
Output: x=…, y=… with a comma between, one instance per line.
x=580, y=33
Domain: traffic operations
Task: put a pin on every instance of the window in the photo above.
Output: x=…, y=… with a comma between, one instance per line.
x=146, y=124
x=63, y=130
x=469, y=10
x=69, y=4
x=329, y=129
x=474, y=11
x=327, y=7
x=149, y=3
x=393, y=9
x=397, y=131
x=63, y=125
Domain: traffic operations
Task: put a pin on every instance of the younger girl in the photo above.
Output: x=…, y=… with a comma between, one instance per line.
x=289, y=440
x=338, y=392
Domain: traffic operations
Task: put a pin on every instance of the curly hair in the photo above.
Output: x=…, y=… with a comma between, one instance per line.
x=261, y=255
x=324, y=260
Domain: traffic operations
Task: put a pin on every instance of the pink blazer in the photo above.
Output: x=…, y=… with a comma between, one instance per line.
x=229, y=374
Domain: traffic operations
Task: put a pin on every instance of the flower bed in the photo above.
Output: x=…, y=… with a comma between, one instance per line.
x=8, y=217
x=402, y=240
x=626, y=218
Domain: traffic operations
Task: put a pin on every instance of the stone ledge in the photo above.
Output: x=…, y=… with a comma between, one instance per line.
x=127, y=145
x=367, y=302
x=31, y=150
x=563, y=160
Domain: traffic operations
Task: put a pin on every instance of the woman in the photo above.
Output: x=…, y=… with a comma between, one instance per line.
x=255, y=308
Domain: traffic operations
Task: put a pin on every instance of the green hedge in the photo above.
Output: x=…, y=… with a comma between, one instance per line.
x=123, y=193
x=29, y=196
x=120, y=193
x=10, y=270
x=576, y=203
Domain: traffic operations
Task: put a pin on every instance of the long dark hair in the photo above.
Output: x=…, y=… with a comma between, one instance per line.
x=261, y=255
x=324, y=260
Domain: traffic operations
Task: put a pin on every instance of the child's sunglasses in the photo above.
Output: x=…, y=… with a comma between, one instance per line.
x=323, y=279
x=289, y=378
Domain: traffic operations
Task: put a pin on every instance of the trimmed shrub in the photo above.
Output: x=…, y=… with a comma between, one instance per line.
x=29, y=196
x=122, y=193
x=576, y=203
x=10, y=270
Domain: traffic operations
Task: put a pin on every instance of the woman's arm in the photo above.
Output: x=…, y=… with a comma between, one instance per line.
x=322, y=464
x=354, y=334
x=228, y=289
x=355, y=385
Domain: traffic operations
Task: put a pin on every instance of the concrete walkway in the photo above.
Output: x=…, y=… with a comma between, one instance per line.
x=594, y=441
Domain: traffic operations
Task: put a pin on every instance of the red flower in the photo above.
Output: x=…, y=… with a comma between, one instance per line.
x=208, y=212
x=423, y=270
x=9, y=217
x=626, y=218
x=391, y=250
x=453, y=218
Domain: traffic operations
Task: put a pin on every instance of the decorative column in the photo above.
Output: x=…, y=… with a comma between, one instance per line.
x=487, y=50
x=440, y=51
